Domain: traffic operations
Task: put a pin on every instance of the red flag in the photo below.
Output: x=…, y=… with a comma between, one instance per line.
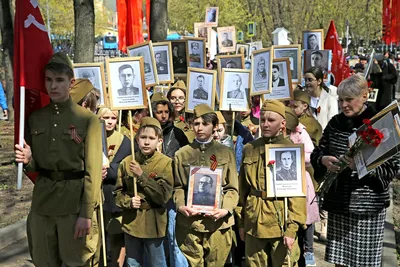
x=148, y=18
x=339, y=68
x=130, y=23
x=386, y=21
x=393, y=22
x=32, y=51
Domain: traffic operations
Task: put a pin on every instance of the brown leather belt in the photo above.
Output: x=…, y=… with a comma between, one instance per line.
x=60, y=176
x=258, y=193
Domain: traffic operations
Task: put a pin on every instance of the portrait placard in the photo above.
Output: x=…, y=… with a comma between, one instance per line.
x=201, y=88
x=261, y=66
x=161, y=89
x=204, y=189
x=94, y=72
x=229, y=62
x=318, y=58
x=235, y=87
x=196, y=48
x=313, y=39
x=179, y=56
x=287, y=176
x=163, y=57
x=254, y=46
x=251, y=29
x=201, y=30
x=145, y=50
x=226, y=39
x=240, y=36
x=243, y=49
x=211, y=17
x=281, y=81
x=373, y=95
x=293, y=52
x=126, y=83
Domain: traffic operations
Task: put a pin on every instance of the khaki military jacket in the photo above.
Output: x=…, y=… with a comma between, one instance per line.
x=154, y=186
x=186, y=129
x=259, y=216
x=197, y=154
x=54, y=150
x=313, y=128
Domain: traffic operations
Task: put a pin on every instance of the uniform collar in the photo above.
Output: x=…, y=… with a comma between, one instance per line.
x=61, y=106
x=203, y=146
x=274, y=139
x=141, y=159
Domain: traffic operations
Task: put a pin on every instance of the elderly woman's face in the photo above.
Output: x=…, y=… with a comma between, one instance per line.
x=353, y=106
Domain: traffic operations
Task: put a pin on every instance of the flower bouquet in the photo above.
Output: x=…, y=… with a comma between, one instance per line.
x=366, y=136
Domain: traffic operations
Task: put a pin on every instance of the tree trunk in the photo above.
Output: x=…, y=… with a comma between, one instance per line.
x=84, y=31
x=6, y=26
x=158, y=20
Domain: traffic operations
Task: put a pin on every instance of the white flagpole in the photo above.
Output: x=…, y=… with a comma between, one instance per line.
x=21, y=132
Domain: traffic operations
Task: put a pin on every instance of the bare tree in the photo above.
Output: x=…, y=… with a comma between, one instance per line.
x=84, y=30
x=158, y=20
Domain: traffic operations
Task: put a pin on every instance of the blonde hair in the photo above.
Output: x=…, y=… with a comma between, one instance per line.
x=103, y=111
x=307, y=111
x=354, y=86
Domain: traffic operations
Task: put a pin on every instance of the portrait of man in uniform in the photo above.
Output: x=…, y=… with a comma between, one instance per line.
x=236, y=92
x=276, y=79
x=147, y=68
x=127, y=76
x=313, y=39
x=226, y=42
x=312, y=42
x=316, y=59
x=205, y=194
x=231, y=64
x=196, y=46
x=286, y=168
x=200, y=92
x=261, y=72
x=162, y=68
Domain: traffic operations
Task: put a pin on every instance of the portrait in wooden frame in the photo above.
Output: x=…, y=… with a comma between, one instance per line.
x=286, y=177
x=229, y=62
x=201, y=84
x=179, y=57
x=246, y=48
x=261, y=68
x=163, y=59
x=226, y=39
x=373, y=95
x=126, y=83
x=293, y=52
x=204, y=189
x=145, y=50
x=196, y=52
x=235, y=90
x=313, y=39
x=211, y=19
x=94, y=72
x=201, y=30
x=281, y=81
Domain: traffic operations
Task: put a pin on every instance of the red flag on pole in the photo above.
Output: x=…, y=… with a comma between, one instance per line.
x=386, y=12
x=393, y=22
x=148, y=18
x=32, y=51
x=339, y=68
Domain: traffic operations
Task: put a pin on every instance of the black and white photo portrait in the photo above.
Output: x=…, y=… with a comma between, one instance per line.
x=286, y=166
x=281, y=80
x=201, y=88
x=317, y=58
x=94, y=72
x=235, y=90
x=254, y=46
x=179, y=56
x=145, y=50
x=373, y=95
x=277, y=81
x=196, y=48
x=226, y=39
x=163, y=58
x=243, y=49
x=293, y=52
x=261, y=71
x=230, y=62
x=204, y=193
x=313, y=40
x=126, y=83
x=211, y=16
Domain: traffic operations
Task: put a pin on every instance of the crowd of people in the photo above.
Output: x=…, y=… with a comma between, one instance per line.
x=145, y=192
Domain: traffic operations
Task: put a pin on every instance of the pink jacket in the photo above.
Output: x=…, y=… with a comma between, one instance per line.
x=300, y=136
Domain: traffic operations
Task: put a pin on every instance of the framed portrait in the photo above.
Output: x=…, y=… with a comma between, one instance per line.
x=240, y=36
x=163, y=59
x=204, y=189
x=211, y=17
x=161, y=89
x=293, y=52
x=261, y=66
x=287, y=176
x=229, y=62
x=387, y=122
x=243, y=49
x=251, y=29
x=196, y=56
x=126, y=83
x=95, y=73
x=226, y=39
x=179, y=56
x=145, y=50
x=201, y=30
x=201, y=88
x=235, y=87
x=281, y=81
x=318, y=58
x=373, y=95
x=254, y=46
x=313, y=39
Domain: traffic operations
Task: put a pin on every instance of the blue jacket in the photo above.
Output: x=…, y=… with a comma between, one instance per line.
x=3, y=99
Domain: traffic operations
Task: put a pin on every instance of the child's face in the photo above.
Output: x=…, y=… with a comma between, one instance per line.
x=162, y=114
x=58, y=86
x=219, y=133
x=298, y=107
x=111, y=120
x=203, y=130
x=148, y=141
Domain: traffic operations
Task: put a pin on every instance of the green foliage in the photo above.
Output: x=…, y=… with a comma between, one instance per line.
x=61, y=16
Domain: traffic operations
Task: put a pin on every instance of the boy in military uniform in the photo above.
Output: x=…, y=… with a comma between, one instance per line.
x=62, y=144
x=205, y=240
x=261, y=219
x=144, y=217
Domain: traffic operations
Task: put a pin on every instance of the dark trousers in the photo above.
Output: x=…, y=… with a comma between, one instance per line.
x=306, y=242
